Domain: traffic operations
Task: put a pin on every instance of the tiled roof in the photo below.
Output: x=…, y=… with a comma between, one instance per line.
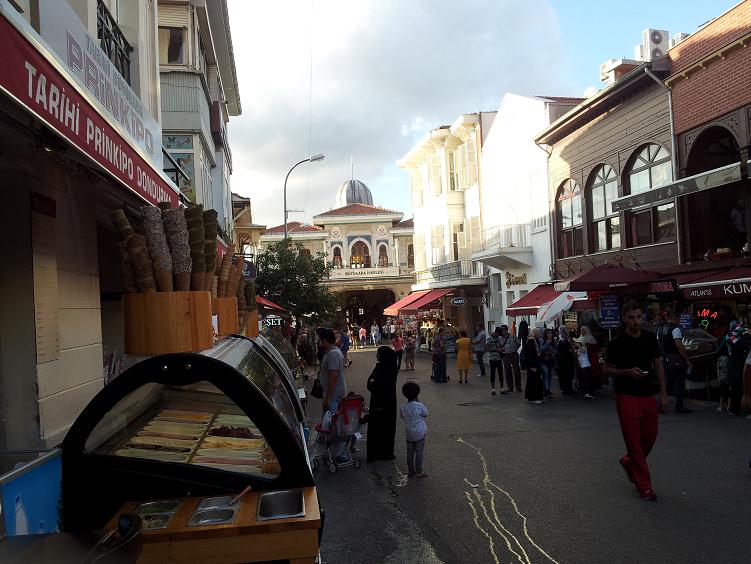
x=406, y=224
x=293, y=227
x=563, y=99
x=357, y=209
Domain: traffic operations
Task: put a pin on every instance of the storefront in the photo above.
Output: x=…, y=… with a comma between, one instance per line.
x=75, y=145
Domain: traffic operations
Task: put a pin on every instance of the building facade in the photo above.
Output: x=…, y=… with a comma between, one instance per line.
x=446, y=193
x=199, y=94
x=80, y=136
x=515, y=241
x=369, y=248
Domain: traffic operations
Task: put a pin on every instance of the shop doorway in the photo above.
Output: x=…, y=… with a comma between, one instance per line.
x=365, y=306
x=708, y=215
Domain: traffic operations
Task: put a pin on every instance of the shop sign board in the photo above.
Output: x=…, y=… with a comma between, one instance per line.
x=58, y=94
x=685, y=322
x=458, y=301
x=719, y=291
x=610, y=312
x=571, y=319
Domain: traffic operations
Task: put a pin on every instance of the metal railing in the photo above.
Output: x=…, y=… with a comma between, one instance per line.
x=507, y=236
x=449, y=271
x=112, y=40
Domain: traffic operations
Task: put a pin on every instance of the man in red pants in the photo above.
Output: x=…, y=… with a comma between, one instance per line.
x=633, y=360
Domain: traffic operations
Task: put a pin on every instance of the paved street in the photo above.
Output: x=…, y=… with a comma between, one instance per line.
x=509, y=481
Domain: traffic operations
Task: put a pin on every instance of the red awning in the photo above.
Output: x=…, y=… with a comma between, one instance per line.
x=529, y=303
x=269, y=304
x=728, y=284
x=606, y=277
x=424, y=301
x=394, y=308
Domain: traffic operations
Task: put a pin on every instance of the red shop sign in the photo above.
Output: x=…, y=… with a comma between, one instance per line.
x=36, y=84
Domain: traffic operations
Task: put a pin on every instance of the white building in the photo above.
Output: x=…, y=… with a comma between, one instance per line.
x=445, y=185
x=515, y=242
x=199, y=93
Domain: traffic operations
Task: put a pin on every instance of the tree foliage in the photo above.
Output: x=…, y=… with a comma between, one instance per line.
x=294, y=279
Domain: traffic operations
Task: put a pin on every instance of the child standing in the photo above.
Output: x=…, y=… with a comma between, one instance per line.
x=414, y=413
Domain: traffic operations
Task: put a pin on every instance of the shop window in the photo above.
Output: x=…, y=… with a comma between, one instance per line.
x=337, y=257
x=383, y=257
x=570, y=219
x=360, y=255
x=172, y=46
x=651, y=168
x=606, y=228
x=410, y=256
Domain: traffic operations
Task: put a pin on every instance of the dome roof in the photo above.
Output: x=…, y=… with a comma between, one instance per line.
x=353, y=192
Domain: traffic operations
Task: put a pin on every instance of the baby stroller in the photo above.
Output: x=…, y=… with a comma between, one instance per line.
x=339, y=434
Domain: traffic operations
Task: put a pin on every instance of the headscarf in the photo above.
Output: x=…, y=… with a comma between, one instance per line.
x=386, y=360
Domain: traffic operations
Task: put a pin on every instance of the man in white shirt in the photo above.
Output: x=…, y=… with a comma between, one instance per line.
x=675, y=359
x=479, y=347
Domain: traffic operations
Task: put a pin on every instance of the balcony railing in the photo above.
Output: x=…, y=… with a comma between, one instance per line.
x=451, y=271
x=113, y=41
x=507, y=236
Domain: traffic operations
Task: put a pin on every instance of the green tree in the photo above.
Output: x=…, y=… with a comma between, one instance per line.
x=294, y=279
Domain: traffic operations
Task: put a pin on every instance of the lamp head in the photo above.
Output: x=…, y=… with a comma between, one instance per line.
x=316, y=158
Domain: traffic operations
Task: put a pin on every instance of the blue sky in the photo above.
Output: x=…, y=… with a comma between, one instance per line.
x=385, y=71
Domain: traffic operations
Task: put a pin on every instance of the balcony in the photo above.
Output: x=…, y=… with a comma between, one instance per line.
x=505, y=246
x=112, y=40
x=449, y=273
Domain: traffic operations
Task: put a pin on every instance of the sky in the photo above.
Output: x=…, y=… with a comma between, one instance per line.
x=362, y=80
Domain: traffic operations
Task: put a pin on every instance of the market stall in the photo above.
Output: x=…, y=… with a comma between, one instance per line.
x=176, y=429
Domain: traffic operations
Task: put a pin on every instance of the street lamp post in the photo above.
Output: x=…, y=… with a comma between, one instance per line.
x=313, y=159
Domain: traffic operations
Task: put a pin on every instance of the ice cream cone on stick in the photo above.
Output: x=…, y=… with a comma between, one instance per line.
x=182, y=281
x=163, y=279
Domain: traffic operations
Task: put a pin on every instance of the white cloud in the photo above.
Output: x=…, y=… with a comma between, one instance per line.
x=384, y=72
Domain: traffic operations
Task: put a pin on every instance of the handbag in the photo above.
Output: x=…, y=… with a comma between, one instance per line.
x=317, y=390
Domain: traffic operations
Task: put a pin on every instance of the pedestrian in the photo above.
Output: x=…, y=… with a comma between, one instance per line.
x=510, y=345
x=547, y=362
x=414, y=413
x=439, y=357
x=382, y=408
x=479, y=347
x=564, y=361
x=392, y=330
x=398, y=343
x=463, y=355
x=523, y=332
x=410, y=346
x=344, y=345
x=363, y=337
x=633, y=360
x=738, y=347
x=374, y=334
x=493, y=347
x=593, y=350
x=585, y=367
x=675, y=359
x=533, y=391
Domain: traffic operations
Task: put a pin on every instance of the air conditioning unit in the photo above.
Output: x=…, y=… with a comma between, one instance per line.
x=654, y=44
x=678, y=38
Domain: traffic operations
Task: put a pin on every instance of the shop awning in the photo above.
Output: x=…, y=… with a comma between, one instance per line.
x=424, y=301
x=729, y=284
x=562, y=302
x=529, y=303
x=393, y=309
x=606, y=277
x=268, y=304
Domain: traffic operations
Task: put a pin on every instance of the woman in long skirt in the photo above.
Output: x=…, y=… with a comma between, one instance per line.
x=463, y=355
x=533, y=387
x=382, y=409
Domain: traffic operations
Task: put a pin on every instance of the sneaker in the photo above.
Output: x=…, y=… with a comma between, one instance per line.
x=648, y=495
x=626, y=469
x=537, y=401
x=588, y=396
x=492, y=392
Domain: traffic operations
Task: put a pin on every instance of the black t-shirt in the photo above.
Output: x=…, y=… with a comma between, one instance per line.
x=629, y=352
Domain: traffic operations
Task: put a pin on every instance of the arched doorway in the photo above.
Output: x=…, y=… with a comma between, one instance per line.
x=707, y=215
x=360, y=255
x=366, y=306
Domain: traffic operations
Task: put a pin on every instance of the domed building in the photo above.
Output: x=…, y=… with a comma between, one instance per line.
x=369, y=247
x=353, y=192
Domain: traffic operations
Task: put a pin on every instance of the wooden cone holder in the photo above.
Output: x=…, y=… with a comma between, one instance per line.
x=226, y=310
x=250, y=323
x=167, y=322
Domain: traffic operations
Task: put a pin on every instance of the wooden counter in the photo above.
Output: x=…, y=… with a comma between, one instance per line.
x=245, y=540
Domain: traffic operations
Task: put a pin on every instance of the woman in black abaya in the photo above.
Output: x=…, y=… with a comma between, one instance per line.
x=382, y=409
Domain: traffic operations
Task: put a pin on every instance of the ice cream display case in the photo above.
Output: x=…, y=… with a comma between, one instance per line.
x=182, y=426
x=279, y=346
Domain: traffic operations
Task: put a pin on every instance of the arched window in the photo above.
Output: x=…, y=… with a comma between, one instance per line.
x=360, y=255
x=650, y=168
x=337, y=257
x=410, y=256
x=570, y=219
x=606, y=225
x=383, y=256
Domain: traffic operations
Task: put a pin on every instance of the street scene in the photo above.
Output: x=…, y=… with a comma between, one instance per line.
x=380, y=281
